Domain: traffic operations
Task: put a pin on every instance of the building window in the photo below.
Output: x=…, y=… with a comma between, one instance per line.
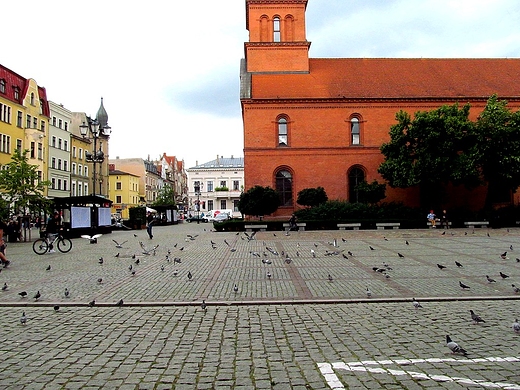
x=80, y=170
x=16, y=94
x=2, y=85
x=5, y=113
x=85, y=170
x=32, y=98
x=223, y=183
x=236, y=185
x=66, y=126
x=28, y=122
x=284, y=187
x=355, y=131
x=64, y=184
x=80, y=154
x=59, y=164
x=53, y=183
x=19, y=119
x=59, y=184
x=54, y=121
x=223, y=204
x=209, y=186
x=355, y=177
x=65, y=165
x=59, y=143
x=40, y=176
x=74, y=151
x=53, y=141
x=119, y=186
x=235, y=205
x=53, y=163
x=5, y=144
x=42, y=126
x=210, y=205
x=119, y=199
x=276, y=29
x=73, y=189
x=60, y=123
x=65, y=145
x=282, y=132
x=40, y=151
x=35, y=123
x=19, y=145
x=33, y=150
x=73, y=168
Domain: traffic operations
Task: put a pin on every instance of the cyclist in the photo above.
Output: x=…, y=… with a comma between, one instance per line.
x=53, y=227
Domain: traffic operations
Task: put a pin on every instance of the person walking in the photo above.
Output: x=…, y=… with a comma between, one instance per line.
x=149, y=223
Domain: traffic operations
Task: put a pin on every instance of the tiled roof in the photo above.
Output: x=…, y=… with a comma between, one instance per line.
x=120, y=173
x=222, y=162
x=381, y=78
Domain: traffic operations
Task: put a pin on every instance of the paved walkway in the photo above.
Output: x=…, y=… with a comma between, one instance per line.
x=294, y=330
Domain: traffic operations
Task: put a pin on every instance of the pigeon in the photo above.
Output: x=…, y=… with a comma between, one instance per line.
x=463, y=286
x=416, y=303
x=130, y=267
x=100, y=280
x=490, y=280
x=23, y=294
x=503, y=275
x=91, y=239
x=100, y=261
x=454, y=347
x=133, y=272
x=162, y=267
x=235, y=288
x=37, y=295
x=443, y=233
x=441, y=266
x=56, y=308
x=135, y=235
x=5, y=287
x=137, y=261
x=269, y=275
x=511, y=247
x=119, y=303
x=369, y=293
x=371, y=248
x=92, y=303
x=400, y=255
x=176, y=272
x=48, y=268
x=203, y=305
x=119, y=245
x=515, y=289
x=23, y=319
x=406, y=242
x=330, y=278
x=516, y=326
x=476, y=318
x=350, y=253
x=504, y=255
x=116, y=255
x=517, y=260
x=66, y=293
x=458, y=264
x=190, y=276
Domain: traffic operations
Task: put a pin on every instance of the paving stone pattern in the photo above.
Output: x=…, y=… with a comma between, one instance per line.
x=273, y=333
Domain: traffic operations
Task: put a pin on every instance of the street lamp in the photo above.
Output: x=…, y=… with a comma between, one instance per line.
x=197, y=205
x=97, y=127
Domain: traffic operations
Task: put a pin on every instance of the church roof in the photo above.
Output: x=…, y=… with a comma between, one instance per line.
x=393, y=78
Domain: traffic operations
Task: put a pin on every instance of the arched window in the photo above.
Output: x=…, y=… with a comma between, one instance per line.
x=276, y=29
x=283, y=137
x=355, y=131
x=355, y=176
x=284, y=187
x=32, y=98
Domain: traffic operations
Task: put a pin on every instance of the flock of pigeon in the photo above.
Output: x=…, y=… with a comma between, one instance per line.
x=265, y=257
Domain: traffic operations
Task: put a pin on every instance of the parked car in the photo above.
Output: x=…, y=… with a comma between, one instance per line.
x=196, y=218
x=221, y=217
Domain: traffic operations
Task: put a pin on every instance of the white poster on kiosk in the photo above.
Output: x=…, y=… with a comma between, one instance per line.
x=80, y=217
x=104, y=216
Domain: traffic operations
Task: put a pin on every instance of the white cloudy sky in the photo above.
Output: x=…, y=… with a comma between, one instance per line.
x=168, y=70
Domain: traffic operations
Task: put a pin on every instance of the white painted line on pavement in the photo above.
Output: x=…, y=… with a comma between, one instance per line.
x=327, y=370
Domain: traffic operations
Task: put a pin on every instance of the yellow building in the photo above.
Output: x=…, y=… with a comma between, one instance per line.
x=123, y=190
x=24, y=119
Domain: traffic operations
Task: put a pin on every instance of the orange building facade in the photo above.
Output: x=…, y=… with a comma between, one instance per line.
x=312, y=122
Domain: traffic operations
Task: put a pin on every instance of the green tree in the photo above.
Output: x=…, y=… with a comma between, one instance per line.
x=259, y=201
x=312, y=196
x=371, y=193
x=165, y=196
x=429, y=151
x=20, y=184
x=495, y=149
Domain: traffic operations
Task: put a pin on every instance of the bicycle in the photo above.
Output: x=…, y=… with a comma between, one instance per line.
x=42, y=245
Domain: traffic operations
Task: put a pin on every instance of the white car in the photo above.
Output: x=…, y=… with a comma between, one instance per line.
x=221, y=217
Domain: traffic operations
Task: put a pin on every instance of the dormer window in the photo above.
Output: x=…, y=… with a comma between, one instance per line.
x=2, y=85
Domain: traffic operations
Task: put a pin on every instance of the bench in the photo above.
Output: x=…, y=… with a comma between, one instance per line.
x=354, y=226
x=251, y=228
x=384, y=225
x=479, y=224
x=301, y=225
x=437, y=223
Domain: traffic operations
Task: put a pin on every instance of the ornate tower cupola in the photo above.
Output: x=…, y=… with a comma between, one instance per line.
x=277, y=38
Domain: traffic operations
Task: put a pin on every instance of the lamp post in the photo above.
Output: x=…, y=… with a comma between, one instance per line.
x=97, y=127
x=197, y=205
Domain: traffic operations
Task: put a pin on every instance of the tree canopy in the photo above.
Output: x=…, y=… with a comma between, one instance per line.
x=165, y=196
x=20, y=183
x=259, y=201
x=429, y=150
x=312, y=196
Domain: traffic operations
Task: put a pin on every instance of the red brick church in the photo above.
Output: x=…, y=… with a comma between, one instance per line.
x=312, y=122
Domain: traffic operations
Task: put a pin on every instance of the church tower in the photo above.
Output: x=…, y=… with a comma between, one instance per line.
x=277, y=37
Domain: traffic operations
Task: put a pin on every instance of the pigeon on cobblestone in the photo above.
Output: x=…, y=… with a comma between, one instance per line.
x=330, y=278
x=235, y=288
x=100, y=280
x=441, y=266
x=203, y=305
x=48, y=268
x=369, y=293
x=176, y=272
x=463, y=286
x=23, y=294
x=476, y=318
x=37, y=295
x=269, y=275
x=56, y=308
x=66, y=293
x=490, y=280
x=23, y=319
x=454, y=347
x=458, y=264
x=516, y=326
x=503, y=275
x=5, y=287
x=515, y=288
x=416, y=303
x=100, y=261
x=120, y=303
x=400, y=255
x=190, y=276
x=504, y=255
x=92, y=303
